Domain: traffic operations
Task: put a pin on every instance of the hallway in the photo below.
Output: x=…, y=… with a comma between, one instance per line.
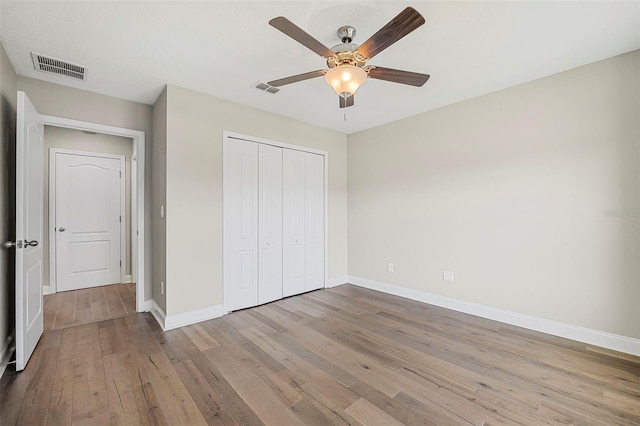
x=79, y=307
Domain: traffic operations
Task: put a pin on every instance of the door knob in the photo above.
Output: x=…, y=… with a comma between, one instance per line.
x=33, y=243
x=61, y=229
x=11, y=244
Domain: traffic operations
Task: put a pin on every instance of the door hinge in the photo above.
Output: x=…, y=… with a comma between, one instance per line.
x=120, y=219
x=121, y=263
x=120, y=173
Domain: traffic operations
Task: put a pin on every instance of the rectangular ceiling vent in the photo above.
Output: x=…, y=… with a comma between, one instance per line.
x=266, y=88
x=57, y=66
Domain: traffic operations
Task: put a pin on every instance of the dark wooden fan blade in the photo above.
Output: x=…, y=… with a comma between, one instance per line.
x=296, y=78
x=407, y=21
x=298, y=34
x=345, y=103
x=398, y=76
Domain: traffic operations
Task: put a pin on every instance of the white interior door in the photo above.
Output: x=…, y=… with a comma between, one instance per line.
x=88, y=221
x=29, y=228
x=240, y=269
x=314, y=221
x=293, y=219
x=270, y=223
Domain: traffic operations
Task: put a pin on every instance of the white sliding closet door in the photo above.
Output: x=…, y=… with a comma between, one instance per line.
x=303, y=222
x=270, y=223
x=293, y=219
x=274, y=220
x=241, y=225
x=314, y=221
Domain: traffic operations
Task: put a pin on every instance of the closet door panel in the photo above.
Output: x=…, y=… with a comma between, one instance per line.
x=270, y=223
x=314, y=221
x=241, y=225
x=293, y=219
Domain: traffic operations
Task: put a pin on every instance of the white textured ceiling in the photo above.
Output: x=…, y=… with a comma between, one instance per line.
x=132, y=49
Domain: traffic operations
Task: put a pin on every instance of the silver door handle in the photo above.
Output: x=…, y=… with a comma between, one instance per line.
x=61, y=229
x=33, y=243
x=12, y=244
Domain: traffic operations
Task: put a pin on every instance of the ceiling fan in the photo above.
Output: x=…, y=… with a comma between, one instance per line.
x=346, y=61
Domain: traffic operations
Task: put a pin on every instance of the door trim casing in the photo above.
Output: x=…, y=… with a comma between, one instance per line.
x=227, y=136
x=53, y=246
x=138, y=138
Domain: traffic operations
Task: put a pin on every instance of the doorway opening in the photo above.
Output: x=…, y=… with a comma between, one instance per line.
x=101, y=299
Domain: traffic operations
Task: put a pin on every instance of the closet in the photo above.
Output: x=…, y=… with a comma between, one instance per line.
x=273, y=222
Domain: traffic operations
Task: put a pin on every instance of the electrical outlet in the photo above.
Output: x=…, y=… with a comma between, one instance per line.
x=162, y=287
x=389, y=267
x=447, y=276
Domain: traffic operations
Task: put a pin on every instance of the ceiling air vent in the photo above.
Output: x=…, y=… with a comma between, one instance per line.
x=57, y=66
x=266, y=88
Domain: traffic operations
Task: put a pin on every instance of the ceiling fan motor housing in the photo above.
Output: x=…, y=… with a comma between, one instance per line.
x=346, y=53
x=346, y=34
x=348, y=56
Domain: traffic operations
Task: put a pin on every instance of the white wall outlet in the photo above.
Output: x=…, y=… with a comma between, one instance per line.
x=389, y=267
x=162, y=211
x=162, y=287
x=447, y=276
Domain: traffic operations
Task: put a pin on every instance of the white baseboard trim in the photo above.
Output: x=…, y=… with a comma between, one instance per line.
x=169, y=322
x=127, y=279
x=603, y=339
x=147, y=305
x=46, y=290
x=157, y=313
x=7, y=351
x=334, y=282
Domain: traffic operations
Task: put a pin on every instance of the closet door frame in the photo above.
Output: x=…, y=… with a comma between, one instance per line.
x=227, y=138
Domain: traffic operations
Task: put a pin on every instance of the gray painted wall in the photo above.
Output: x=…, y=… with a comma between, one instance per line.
x=511, y=192
x=195, y=123
x=8, y=100
x=159, y=180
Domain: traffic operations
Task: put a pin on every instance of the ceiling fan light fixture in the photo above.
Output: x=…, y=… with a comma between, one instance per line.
x=345, y=79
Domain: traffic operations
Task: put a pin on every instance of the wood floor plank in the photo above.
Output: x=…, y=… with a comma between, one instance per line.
x=308, y=378
x=262, y=401
x=90, y=401
x=65, y=314
x=35, y=406
x=123, y=407
x=204, y=397
x=200, y=338
x=100, y=311
x=396, y=408
x=61, y=403
x=97, y=294
x=51, y=304
x=369, y=414
x=313, y=416
x=179, y=407
x=229, y=398
x=114, y=302
x=343, y=356
x=128, y=297
x=86, y=306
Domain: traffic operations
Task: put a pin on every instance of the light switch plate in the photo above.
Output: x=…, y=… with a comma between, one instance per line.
x=162, y=211
x=448, y=276
x=389, y=267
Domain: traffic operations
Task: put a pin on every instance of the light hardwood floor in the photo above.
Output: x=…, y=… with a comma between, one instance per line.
x=79, y=307
x=340, y=356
